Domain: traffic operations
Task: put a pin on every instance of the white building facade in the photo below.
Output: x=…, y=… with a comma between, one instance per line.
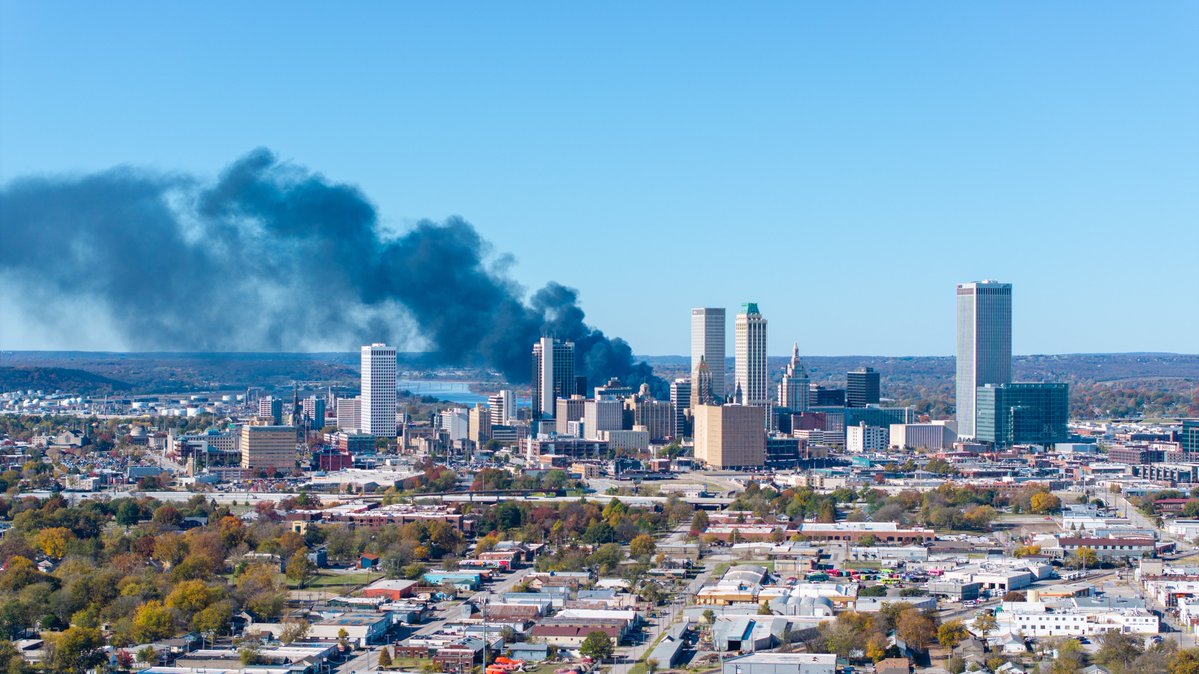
x=378, y=392
x=707, y=341
x=984, y=345
x=750, y=367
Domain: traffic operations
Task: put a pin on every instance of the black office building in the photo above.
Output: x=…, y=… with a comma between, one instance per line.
x=821, y=396
x=862, y=387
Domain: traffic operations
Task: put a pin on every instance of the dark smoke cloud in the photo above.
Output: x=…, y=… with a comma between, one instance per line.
x=275, y=257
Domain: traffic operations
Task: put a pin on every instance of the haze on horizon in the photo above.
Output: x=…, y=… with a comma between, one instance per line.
x=842, y=169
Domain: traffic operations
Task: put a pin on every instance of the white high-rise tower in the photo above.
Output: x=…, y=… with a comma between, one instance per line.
x=707, y=342
x=379, y=390
x=750, y=367
x=984, y=345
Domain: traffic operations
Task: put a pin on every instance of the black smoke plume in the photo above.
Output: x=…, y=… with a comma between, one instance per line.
x=275, y=257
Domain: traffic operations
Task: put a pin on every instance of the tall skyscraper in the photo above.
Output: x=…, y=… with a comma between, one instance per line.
x=984, y=345
x=379, y=390
x=750, y=367
x=553, y=374
x=707, y=343
x=794, y=390
x=862, y=387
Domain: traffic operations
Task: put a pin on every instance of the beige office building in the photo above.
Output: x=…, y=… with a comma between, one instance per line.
x=568, y=410
x=730, y=436
x=270, y=448
x=480, y=424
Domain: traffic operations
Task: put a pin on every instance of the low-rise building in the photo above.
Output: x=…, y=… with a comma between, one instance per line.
x=782, y=663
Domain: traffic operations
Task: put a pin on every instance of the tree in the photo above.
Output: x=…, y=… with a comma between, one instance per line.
x=77, y=649
x=1185, y=662
x=153, y=621
x=985, y=624
x=191, y=596
x=1087, y=557
x=597, y=646
x=699, y=522
x=384, y=658
x=1027, y=550
x=709, y=616
x=1069, y=657
x=300, y=569
x=128, y=514
x=643, y=546
x=54, y=541
x=952, y=633
x=213, y=619
x=1118, y=650
x=1045, y=503
x=294, y=630
x=916, y=629
x=1015, y=596
x=940, y=467
x=147, y=655
x=840, y=637
x=876, y=647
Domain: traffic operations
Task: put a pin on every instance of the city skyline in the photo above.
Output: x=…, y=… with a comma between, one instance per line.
x=986, y=143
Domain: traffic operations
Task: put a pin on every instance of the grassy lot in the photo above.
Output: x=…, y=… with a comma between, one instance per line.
x=344, y=579
x=725, y=566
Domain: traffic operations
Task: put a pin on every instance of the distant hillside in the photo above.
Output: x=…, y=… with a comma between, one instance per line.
x=1091, y=367
x=58, y=378
x=1102, y=385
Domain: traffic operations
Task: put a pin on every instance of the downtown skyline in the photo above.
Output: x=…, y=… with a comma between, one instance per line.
x=886, y=156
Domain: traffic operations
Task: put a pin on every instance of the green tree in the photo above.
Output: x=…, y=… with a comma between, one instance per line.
x=300, y=569
x=384, y=659
x=597, y=646
x=128, y=514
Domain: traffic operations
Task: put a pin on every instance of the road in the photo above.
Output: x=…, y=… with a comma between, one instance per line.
x=666, y=616
x=363, y=661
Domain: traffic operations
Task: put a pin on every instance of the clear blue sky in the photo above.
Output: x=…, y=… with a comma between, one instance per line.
x=842, y=164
